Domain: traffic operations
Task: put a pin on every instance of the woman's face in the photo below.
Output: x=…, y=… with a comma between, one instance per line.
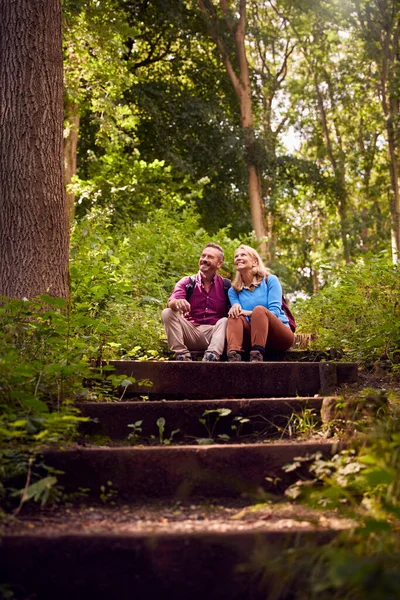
x=243, y=261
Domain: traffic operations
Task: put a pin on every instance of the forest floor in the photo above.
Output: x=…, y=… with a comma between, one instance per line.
x=174, y=517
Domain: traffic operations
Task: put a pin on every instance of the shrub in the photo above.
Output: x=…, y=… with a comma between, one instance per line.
x=359, y=312
x=122, y=277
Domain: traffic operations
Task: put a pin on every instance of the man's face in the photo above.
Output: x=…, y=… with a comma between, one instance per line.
x=210, y=260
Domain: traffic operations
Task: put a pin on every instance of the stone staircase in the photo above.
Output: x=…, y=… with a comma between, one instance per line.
x=247, y=410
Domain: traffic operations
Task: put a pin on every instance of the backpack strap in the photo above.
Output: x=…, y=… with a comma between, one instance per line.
x=190, y=286
x=227, y=285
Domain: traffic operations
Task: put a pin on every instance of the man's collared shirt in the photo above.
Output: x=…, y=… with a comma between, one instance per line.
x=206, y=307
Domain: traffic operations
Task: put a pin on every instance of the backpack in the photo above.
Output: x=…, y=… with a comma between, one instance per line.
x=287, y=311
x=190, y=287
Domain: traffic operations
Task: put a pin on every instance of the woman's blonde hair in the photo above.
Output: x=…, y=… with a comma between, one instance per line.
x=259, y=270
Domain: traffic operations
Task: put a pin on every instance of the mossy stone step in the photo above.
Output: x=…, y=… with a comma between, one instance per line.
x=199, y=380
x=267, y=417
x=215, y=471
x=216, y=566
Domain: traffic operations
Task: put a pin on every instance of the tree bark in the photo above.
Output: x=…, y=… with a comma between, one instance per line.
x=34, y=238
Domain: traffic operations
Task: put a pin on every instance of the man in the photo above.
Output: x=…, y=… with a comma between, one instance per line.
x=196, y=317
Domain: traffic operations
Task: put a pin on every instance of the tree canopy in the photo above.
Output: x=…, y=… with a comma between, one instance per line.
x=157, y=87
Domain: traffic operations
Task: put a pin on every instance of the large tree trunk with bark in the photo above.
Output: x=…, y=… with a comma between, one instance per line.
x=34, y=232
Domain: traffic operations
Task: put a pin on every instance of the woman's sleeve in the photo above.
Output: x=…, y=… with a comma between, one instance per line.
x=233, y=297
x=274, y=295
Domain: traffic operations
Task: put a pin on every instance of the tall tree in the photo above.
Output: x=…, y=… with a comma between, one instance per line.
x=379, y=23
x=227, y=25
x=34, y=239
x=338, y=116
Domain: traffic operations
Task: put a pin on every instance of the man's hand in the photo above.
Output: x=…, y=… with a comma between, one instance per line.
x=180, y=305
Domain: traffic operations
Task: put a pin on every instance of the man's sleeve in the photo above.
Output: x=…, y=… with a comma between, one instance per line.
x=179, y=291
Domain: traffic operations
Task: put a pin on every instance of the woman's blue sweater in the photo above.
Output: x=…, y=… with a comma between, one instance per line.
x=268, y=294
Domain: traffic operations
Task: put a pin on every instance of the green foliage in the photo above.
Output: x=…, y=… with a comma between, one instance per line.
x=210, y=419
x=24, y=477
x=360, y=483
x=161, y=432
x=122, y=276
x=302, y=424
x=136, y=427
x=359, y=312
x=43, y=363
x=354, y=566
x=40, y=360
x=107, y=493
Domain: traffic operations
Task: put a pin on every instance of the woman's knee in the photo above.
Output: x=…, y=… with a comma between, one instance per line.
x=259, y=311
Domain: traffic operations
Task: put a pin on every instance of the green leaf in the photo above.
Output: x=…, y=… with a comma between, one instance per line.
x=36, y=405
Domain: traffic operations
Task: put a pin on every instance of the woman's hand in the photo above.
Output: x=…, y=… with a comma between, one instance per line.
x=235, y=311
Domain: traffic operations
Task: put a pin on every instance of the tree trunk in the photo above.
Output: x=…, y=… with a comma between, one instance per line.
x=242, y=86
x=34, y=236
x=70, y=153
x=338, y=166
x=394, y=199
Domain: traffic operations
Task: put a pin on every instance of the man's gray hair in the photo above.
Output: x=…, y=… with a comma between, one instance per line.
x=217, y=246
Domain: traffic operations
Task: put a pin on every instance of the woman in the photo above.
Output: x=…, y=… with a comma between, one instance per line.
x=256, y=318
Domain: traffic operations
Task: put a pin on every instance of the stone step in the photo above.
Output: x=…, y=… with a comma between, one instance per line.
x=266, y=417
x=214, y=471
x=104, y=565
x=200, y=380
x=292, y=355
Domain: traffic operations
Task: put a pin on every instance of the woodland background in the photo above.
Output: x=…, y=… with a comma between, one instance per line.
x=272, y=124
x=185, y=121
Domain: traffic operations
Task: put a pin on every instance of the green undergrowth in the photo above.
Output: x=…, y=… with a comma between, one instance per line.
x=360, y=483
x=122, y=275
x=358, y=312
x=47, y=355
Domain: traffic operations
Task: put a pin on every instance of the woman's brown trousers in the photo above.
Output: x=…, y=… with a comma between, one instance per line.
x=264, y=331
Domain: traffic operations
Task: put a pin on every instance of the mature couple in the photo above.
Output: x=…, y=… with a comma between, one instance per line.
x=196, y=317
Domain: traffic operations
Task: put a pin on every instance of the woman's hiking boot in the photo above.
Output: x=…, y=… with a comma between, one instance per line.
x=234, y=356
x=256, y=356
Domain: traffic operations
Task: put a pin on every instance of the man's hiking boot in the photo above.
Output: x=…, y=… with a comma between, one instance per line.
x=183, y=356
x=209, y=357
x=234, y=356
x=256, y=356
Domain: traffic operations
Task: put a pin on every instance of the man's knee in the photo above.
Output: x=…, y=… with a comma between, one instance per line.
x=168, y=314
x=221, y=323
